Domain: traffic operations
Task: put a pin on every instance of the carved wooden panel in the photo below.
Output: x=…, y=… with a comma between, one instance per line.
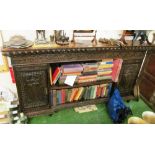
x=128, y=76
x=32, y=87
x=147, y=80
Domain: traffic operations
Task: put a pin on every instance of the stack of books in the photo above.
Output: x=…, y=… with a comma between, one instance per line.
x=70, y=70
x=76, y=94
x=89, y=73
x=105, y=68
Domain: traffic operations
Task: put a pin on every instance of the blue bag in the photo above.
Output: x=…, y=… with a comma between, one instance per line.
x=117, y=110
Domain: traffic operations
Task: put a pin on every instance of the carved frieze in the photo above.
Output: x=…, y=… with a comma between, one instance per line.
x=75, y=56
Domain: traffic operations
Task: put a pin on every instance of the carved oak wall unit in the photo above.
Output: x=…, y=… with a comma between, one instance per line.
x=31, y=67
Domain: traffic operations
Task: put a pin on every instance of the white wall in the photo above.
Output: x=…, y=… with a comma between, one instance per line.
x=5, y=78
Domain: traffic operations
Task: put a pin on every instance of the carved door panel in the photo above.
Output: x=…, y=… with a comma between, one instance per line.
x=128, y=77
x=32, y=87
x=147, y=80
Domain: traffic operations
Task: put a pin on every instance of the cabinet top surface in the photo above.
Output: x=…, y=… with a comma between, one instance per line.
x=81, y=46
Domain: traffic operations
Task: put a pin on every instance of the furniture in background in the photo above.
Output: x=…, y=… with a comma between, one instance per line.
x=147, y=79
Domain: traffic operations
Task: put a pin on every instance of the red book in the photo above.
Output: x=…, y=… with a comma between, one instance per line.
x=116, y=69
x=56, y=74
x=12, y=75
x=62, y=96
x=98, y=91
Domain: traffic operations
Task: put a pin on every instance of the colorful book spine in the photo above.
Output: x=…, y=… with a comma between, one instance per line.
x=54, y=103
x=116, y=69
x=50, y=73
x=56, y=75
x=65, y=96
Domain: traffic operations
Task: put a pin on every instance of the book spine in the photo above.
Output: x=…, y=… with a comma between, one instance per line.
x=54, y=97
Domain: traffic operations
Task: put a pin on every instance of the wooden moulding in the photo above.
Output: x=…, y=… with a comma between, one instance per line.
x=68, y=49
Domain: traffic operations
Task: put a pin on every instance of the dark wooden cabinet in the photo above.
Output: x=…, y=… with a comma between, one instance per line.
x=31, y=67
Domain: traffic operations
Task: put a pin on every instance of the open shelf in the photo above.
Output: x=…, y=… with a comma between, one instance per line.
x=55, y=87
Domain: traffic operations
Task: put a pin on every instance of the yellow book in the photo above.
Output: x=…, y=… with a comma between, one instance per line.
x=78, y=94
x=103, y=73
x=105, y=89
x=50, y=73
x=105, y=66
x=73, y=94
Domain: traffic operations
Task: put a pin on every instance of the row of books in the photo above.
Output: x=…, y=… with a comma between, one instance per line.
x=64, y=96
x=87, y=72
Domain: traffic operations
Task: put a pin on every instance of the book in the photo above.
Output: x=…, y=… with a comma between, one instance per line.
x=63, y=96
x=89, y=92
x=71, y=73
x=69, y=95
x=94, y=93
x=78, y=93
x=98, y=91
x=73, y=94
x=54, y=103
x=12, y=74
x=66, y=95
x=85, y=94
x=105, y=66
x=82, y=94
x=116, y=69
x=56, y=75
x=105, y=62
x=51, y=97
x=50, y=73
x=71, y=68
x=58, y=96
x=90, y=73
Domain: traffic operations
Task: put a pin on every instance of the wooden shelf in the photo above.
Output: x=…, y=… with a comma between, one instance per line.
x=51, y=110
x=54, y=87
